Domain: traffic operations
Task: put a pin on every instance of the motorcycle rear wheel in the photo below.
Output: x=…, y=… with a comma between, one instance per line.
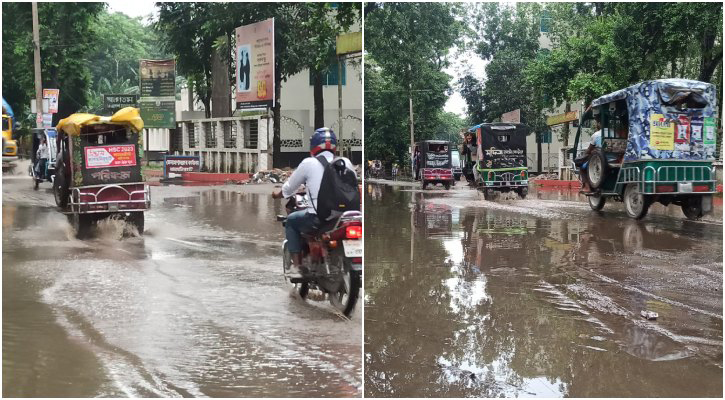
x=346, y=298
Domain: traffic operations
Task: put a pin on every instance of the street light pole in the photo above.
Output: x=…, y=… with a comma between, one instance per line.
x=36, y=61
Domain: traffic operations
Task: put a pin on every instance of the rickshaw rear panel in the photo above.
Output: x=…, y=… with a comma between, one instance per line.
x=101, y=167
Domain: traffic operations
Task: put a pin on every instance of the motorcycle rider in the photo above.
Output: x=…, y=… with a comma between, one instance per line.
x=323, y=143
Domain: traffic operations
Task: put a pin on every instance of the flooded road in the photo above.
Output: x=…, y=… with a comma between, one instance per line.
x=540, y=297
x=197, y=306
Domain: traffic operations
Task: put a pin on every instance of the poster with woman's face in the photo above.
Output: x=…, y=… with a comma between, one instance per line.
x=255, y=65
x=243, y=69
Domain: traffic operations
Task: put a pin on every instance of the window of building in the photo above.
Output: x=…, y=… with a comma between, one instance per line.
x=329, y=77
x=545, y=22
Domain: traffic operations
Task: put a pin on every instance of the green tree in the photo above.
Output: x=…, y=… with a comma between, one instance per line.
x=304, y=38
x=407, y=48
x=66, y=39
x=121, y=42
x=507, y=36
x=599, y=49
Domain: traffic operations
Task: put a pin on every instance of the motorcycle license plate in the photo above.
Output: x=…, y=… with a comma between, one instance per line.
x=353, y=248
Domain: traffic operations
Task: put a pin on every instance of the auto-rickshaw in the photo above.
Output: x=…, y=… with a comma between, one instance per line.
x=10, y=145
x=501, y=165
x=44, y=173
x=98, y=172
x=658, y=144
x=432, y=163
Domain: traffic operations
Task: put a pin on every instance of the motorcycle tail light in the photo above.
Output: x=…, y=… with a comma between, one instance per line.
x=333, y=244
x=353, y=232
x=357, y=260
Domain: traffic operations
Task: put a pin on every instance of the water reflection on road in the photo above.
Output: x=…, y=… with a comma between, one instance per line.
x=536, y=298
x=195, y=307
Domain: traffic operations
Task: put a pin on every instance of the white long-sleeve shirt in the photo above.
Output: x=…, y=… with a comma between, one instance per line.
x=43, y=151
x=310, y=172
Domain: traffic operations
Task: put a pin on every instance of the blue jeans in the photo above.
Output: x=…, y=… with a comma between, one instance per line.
x=297, y=223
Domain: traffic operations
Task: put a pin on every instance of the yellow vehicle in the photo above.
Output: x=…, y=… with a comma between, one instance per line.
x=10, y=146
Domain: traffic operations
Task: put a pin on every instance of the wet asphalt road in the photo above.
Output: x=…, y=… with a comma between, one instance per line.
x=195, y=307
x=540, y=297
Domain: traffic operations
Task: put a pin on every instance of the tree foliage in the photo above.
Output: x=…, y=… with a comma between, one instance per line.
x=66, y=40
x=407, y=47
x=598, y=49
x=508, y=36
x=304, y=38
x=121, y=41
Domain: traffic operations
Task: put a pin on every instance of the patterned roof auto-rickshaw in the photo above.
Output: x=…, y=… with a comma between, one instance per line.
x=98, y=173
x=658, y=144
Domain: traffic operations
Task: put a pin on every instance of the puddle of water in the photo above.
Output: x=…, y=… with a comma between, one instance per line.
x=470, y=299
x=195, y=307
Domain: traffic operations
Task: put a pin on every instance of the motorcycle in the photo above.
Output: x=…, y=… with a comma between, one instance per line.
x=333, y=256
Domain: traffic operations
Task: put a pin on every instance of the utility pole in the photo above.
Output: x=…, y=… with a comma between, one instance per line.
x=36, y=59
x=412, y=129
x=339, y=103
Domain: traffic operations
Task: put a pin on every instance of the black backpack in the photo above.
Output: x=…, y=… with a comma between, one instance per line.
x=338, y=190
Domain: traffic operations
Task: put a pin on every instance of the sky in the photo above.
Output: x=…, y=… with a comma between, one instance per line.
x=460, y=66
x=132, y=8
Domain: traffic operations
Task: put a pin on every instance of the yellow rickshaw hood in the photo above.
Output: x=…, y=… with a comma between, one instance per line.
x=129, y=117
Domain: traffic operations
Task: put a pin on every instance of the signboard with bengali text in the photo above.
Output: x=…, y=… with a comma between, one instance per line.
x=562, y=118
x=662, y=132
x=115, y=102
x=158, y=93
x=176, y=165
x=52, y=95
x=110, y=156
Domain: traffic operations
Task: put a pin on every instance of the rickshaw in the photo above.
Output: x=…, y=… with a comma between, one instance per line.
x=48, y=172
x=658, y=145
x=98, y=172
x=433, y=163
x=501, y=165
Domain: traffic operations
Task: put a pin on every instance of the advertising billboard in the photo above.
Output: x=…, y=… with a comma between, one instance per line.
x=255, y=65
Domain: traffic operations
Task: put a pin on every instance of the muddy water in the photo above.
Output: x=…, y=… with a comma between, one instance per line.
x=466, y=297
x=195, y=307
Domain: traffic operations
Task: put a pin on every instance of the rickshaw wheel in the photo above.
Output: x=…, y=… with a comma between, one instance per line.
x=692, y=208
x=596, y=202
x=60, y=190
x=136, y=219
x=597, y=169
x=82, y=224
x=635, y=202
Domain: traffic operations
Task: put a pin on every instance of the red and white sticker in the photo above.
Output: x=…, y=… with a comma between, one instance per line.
x=111, y=156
